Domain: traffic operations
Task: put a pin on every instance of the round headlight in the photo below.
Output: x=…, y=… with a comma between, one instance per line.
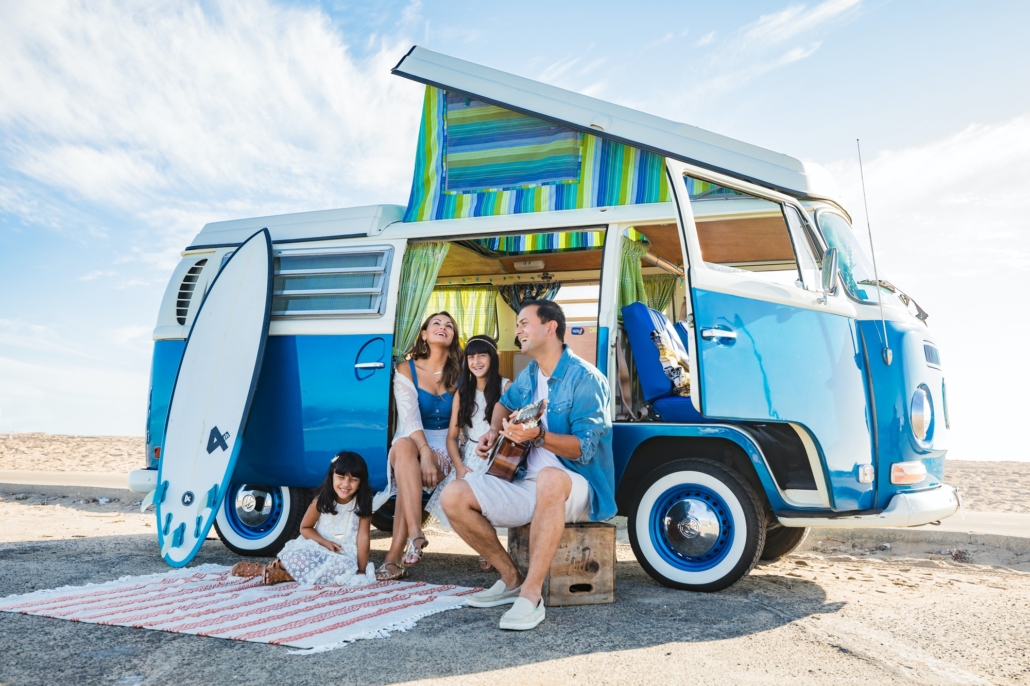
x=922, y=413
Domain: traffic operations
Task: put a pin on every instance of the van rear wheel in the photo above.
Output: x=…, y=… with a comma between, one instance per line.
x=256, y=520
x=696, y=525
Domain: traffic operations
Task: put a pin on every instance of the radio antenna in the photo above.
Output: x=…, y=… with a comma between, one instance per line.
x=887, y=354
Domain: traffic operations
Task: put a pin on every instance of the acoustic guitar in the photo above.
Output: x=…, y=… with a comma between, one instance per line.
x=508, y=459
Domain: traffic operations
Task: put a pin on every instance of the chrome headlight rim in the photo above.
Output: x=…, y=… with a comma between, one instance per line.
x=921, y=414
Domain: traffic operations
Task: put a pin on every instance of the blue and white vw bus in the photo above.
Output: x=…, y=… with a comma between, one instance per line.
x=764, y=379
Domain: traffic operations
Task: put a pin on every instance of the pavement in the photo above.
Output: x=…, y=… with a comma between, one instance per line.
x=840, y=611
x=18, y=477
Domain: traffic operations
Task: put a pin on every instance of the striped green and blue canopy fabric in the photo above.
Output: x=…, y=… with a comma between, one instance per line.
x=609, y=173
x=490, y=148
x=559, y=241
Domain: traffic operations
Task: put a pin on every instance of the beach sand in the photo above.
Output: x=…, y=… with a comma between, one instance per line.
x=985, y=486
x=40, y=452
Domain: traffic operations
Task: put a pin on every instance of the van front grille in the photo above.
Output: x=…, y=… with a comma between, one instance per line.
x=189, y=282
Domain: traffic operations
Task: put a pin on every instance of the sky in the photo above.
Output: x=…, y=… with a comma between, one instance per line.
x=126, y=127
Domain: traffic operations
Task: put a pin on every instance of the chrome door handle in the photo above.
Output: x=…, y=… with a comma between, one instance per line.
x=709, y=334
x=369, y=365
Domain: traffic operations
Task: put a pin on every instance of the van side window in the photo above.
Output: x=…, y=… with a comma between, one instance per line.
x=330, y=282
x=738, y=231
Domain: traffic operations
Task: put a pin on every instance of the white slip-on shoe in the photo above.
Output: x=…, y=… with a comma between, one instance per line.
x=523, y=615
x=498, y=594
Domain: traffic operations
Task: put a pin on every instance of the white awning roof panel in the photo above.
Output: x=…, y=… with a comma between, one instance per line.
x=671, y=139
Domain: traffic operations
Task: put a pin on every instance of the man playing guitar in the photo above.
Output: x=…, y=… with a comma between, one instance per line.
x=569, y=474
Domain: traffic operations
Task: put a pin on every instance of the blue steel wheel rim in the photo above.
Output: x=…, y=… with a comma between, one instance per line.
x=660, y=539
x=253, y=532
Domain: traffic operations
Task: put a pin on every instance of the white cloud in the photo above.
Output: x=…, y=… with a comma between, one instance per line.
x=787, y=24
x=706, y=39
x=771, y=42
x=96, y=274
x=951, y=225
x=135, y=124
x=232, y=108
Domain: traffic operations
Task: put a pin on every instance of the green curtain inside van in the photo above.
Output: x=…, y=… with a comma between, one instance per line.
x=419, y=270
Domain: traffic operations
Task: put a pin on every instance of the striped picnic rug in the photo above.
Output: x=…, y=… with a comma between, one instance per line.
x=207, y=601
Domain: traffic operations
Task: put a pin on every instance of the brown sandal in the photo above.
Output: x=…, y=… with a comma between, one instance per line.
x=383, y=574
x=484, y=564
x=413, y=553
x=247, y=569
x=275, y=573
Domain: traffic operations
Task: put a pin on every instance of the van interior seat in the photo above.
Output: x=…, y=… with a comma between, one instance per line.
x=640, y=321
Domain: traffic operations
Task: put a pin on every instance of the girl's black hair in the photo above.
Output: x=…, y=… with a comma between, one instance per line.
x=478, y=345
x=346, y=462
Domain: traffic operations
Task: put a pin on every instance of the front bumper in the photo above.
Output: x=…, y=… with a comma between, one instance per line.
x=142, y=480
x=904, y=509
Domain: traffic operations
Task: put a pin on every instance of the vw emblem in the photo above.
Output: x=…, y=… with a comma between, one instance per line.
x=689, y=527
x=249, y=503
x=187, y=498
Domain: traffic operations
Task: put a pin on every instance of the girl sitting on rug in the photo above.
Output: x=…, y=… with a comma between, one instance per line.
x=334, y=535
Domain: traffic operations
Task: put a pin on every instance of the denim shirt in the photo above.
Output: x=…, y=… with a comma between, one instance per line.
x=577, y=405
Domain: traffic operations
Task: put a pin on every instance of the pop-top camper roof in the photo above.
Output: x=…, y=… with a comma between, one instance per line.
x=662, y=136
x=350, y=222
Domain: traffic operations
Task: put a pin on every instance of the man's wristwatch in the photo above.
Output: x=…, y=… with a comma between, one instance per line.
x=539, y=440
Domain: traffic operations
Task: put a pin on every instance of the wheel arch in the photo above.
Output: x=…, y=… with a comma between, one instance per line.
x=733, y=449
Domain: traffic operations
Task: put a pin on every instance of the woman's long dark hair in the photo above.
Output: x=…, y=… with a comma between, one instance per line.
x=452, y=368
x=346, y=462
x=477, y=345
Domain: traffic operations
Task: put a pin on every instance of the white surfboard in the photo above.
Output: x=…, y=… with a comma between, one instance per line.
x=211, y=399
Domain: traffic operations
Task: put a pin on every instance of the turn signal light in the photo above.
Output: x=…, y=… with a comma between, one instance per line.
x=157, y=452
x=907, y=473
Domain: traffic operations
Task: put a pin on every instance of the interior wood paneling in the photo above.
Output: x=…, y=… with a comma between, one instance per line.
x=733, y=241
x=464, y=262
x=506, y=363
x=665, y=241
x=558, y=262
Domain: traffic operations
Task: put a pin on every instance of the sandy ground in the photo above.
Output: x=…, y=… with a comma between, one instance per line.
x=57, y=453
x=833, y=613
x=985, y=486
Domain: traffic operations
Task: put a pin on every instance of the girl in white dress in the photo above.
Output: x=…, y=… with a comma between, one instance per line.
x=334, y=535
x=479, y=390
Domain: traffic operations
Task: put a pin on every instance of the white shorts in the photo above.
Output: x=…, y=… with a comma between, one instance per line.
x=511, y=504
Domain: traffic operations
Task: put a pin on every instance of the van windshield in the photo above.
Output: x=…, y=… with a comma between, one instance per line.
x=856, y=269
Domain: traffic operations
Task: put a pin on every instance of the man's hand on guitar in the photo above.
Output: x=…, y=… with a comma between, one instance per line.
x=519, y=432
x=485, y=443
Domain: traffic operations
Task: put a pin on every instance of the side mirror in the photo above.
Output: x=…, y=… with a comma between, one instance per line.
x=830, y=271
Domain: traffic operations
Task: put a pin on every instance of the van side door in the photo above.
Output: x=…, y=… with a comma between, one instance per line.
x=770, y=346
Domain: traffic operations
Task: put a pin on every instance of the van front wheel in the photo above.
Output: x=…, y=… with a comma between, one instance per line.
x=782, y=541
x=696, y=525
x=257, y=520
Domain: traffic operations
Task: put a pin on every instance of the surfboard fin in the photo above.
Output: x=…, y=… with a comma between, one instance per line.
x=212, y=497
x=180, y=533
x=161, y=491
x=147, y=501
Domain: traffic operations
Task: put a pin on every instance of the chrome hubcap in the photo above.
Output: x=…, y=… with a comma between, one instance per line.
x=253, y=505
x=691, y=527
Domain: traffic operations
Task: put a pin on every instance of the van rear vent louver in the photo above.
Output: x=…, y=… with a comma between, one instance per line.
x=189, y=282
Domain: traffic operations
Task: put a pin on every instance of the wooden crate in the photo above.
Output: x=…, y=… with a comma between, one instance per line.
x=582, y=571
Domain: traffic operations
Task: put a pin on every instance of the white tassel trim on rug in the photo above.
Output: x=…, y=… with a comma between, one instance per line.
x=400, y=626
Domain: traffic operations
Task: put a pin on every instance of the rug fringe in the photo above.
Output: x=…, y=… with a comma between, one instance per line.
x=399, y=626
